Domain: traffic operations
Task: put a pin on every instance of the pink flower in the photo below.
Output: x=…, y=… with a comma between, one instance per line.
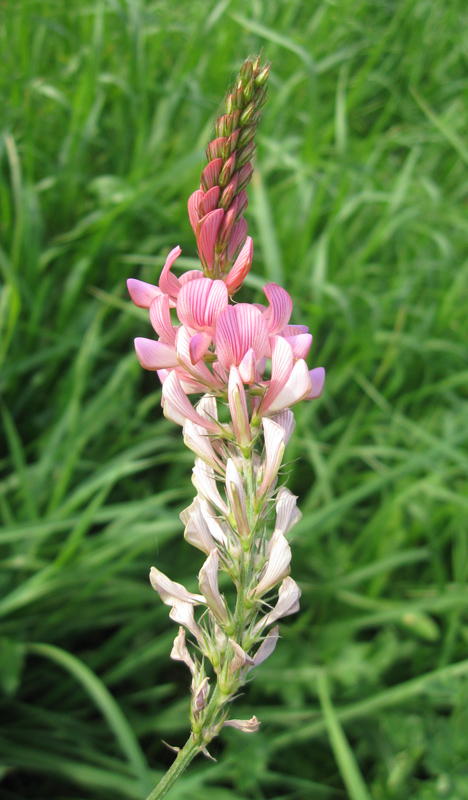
x=240, y=268
x=178, y=408
x=241, y=339
x=198, y=305
x=143, y=293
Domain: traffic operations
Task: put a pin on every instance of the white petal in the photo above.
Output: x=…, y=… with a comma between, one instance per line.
x=170, y=591
x=179, y=651
x=287, y=512
x=208, y=582
x=288, y=603
x=197, y=440
x=277, y=566
x=267, y=646
x=236, y=495
x=245, y=725
x=183, y=614
x=205, y=483
x=241, y=659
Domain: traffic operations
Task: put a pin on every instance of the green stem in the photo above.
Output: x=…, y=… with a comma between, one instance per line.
x=184, y=757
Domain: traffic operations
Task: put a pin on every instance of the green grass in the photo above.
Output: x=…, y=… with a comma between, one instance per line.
x=359, y=208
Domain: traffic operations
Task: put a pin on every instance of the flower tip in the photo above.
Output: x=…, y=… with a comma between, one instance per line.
x=317, y=379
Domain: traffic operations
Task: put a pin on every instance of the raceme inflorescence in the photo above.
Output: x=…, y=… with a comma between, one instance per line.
x=247, y=361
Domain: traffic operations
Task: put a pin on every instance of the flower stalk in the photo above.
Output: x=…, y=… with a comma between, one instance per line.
x=223, y=352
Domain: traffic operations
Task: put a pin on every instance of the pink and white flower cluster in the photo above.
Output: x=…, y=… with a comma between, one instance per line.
x=253, y=357
x=220, y=347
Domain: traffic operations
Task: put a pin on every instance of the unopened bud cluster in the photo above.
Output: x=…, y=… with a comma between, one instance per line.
x=247, y=362
x=216, y=209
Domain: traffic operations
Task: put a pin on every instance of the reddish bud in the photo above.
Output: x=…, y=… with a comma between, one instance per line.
x=246, y=154
x=226, y=227
x=230, y=144
x=215, y=149
x=210, y=175
x=227, y=170
x=245, y=175
x=229, y=193
x=242, y=203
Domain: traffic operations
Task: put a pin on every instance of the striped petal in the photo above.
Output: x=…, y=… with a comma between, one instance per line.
x=178, y=408
x=240, y=328
x=160, y=318
x=240, y=268
x=207, y=231
x=199, y=370
x=279, y=310
x=154, y=355
x=282, y=364
x=199, y=303
x=193, y=206
x=168, y=283
x=142, y=293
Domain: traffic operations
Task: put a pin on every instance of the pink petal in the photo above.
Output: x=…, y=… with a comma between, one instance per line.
x=238, y=329
x=301, y=344
x=237, y=238
x=190, y=275
x=215, y=148
x=238, y=408
x=210, y=201
x=191, y=303
x=294, y=330
x=317, y=379
x=280, y=308
x=160, y=318
x=297, y=388
x=282, y=363
x=142, y=293
x=287, y=422
x=211, y=173
x=177, y=407
x=207, y=232
x=199, y=303
x=168, y=283
x=193, y=206
x=155, y=355
x=241, y=267
x=199, y=345
x=248, y=366
x=199, y=370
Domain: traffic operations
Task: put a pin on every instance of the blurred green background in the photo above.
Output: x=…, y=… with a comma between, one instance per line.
x=359, y=208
